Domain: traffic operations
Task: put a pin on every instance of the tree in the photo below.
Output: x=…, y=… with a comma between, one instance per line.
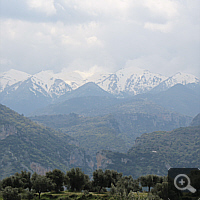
x=76, y=179
x=41, y=183
x=13, y=181
x=25, y=178
x=10, y=193
x=1, y=185
x=6, y=182
x=57, y=177
x=28, y=195
x=127, y=184
x=99, y=179
x=112, y=177
x=161, y=189
x=150, y=181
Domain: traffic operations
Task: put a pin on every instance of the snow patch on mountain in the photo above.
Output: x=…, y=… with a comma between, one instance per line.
x=11, y=77
x=129, y=80
x=50, y=83
x=181, y=78
x=45, y=79
x=74, y=79
x=178, y=78
x=45, y=82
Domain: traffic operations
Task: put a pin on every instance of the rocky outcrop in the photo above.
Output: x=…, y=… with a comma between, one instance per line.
x=79, y=158
x=90, y=163
x=102, y=160
x=6, y=130
x=76, y=158
x=39, y=169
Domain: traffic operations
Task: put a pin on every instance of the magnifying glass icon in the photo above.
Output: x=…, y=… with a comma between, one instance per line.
x=187, y=187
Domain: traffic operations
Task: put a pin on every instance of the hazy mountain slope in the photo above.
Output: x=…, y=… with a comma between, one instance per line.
x=129, y=120
x=155, y=153
x=178, y=98
x=88, y=106
x=130, y=80
x=22, y=98
x=19, y=90
x=196, y=121
x=86, y=90
x=93, y=134
x=33, y=93
x=89, y=100
x=28, y=146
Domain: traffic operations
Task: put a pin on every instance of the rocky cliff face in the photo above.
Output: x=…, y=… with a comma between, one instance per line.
x=107, y=158
x=38, y=168
x=102, y=160
x=6, y=130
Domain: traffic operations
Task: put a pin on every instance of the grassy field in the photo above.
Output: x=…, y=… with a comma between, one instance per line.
x=79, y=196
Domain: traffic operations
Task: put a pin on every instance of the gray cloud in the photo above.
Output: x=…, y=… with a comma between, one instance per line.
x=162, y=36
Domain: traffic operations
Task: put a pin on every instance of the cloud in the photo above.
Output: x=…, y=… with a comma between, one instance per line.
x=159, y=27
x=55, y=34
x=46, y=6
x=165, y=8
x=93, y=41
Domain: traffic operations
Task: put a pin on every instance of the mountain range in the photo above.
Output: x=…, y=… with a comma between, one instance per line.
x=34, y=147
x=126, y=116
x=28, y=146
x=156, y=152
x=19, y=90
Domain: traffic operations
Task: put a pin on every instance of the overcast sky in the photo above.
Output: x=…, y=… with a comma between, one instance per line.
x=162, y=36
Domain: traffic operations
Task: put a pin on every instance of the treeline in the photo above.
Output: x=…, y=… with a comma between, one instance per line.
x=25, y=186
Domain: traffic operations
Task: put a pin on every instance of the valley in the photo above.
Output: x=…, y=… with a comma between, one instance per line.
x=139, y=123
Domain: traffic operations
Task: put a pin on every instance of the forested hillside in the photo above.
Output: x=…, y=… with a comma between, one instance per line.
x=116, y=131
x=92, y=133
x=26, y=145
x=155, y=153
x=30, y=146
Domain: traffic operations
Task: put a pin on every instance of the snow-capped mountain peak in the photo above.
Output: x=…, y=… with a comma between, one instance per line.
x=45, y=79
x=182, y=78
x=50, y=83
x=11, y=77
x=179, y=78
x=129, y=80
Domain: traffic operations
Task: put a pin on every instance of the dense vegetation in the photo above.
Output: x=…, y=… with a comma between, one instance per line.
x=92, y=133
x=156, y=152
x=116, y=131
x=104, y=185
x=26, y=186
x=26, y=145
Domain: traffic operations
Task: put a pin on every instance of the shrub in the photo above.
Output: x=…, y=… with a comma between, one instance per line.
x=10, y=193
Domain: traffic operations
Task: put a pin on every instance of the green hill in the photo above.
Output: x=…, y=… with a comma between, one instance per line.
x=154, y=153
x=25, y=145
x=92, y=133
x=116, y=131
